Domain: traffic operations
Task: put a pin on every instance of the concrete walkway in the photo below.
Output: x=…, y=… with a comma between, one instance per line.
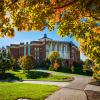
x=79, y=83
x=73, y=91
x=93, y=92
x=60, y=84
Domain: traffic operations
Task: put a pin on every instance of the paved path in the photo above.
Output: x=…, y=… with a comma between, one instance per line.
x=93, y=92
x=60, y=84
x=79, y=83
x=73, y=91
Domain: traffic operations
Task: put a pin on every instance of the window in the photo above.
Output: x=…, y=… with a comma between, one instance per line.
x=53, y=47
x=47, y=48
x=36, y=53
x=62, y=48
x=57, y=47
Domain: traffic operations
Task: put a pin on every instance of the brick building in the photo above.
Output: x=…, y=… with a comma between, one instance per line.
x=40, y=50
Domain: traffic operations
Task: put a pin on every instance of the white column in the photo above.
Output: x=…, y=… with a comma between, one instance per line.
x=24, y=50
x=29, y=50
x=61, y=51
x=51, y=47
x=55, y=46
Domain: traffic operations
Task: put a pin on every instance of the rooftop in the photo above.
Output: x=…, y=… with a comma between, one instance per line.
x=44, y=38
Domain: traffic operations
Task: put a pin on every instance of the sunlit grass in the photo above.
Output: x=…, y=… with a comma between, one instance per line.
x=13, y=91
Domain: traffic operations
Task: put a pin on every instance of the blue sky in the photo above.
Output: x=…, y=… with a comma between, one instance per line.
x=35, y=35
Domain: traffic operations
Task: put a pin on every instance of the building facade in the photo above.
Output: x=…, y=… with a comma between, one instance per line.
x=40, y=50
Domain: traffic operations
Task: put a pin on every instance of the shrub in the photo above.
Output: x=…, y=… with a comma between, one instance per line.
x=55, y=60
x=87, y=67
x=65, y=69
x=47, y=63
x=37, y=74
x=51, y=68
x=13, y=63
x=53, y=56
x=78, y=64
x=78, y=70
x=44, y=64
x=9, y=77
x=57, y=64
x=26, y=63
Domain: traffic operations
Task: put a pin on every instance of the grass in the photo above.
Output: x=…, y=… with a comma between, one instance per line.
x=63, y=73
x=39, y=75
x=13, y=91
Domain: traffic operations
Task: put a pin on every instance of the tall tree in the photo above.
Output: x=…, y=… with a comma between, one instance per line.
x=4, y=61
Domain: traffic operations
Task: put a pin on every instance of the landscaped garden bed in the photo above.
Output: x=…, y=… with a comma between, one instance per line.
x=38, y=75
x=14, y=91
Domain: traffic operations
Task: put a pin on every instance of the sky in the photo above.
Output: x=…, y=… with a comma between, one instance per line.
x=34, y=36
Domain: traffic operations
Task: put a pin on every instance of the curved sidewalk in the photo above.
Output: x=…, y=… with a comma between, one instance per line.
x=73, y=91
x=60, y=84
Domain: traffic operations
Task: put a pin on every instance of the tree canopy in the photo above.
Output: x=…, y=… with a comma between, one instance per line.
x=79, y=17
x=26, y=63
x=37, y=14
x=55, y=60
x=53, y=56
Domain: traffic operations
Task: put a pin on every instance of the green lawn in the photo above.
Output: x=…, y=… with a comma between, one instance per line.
x=13, y=91
x=39, y=75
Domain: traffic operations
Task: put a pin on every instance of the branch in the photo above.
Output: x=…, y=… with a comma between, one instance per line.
x=67, y=4
x=97, y=18
x=12, y=2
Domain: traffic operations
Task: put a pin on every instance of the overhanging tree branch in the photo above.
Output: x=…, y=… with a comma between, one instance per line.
x=66, y=4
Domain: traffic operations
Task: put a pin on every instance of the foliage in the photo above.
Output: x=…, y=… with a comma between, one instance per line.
x=26, y=63
x=13, y=91
x=96, y=74
x=78, y=64
x=9, y=77
x=36, y=14
x=13, y=63
x=37, y=75
x=80, y=17
x=51, y=68
x=4, y=61
x=47, y=63
x=90, y=45
x=53, y=56
x=55, y=60
x=65, y=69
x=56, y=65
x=44, y=64
x=87, y=65
x=78, y=70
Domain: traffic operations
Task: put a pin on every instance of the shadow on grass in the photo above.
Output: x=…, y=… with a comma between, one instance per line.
x=9, y=77
x=77, y=70
x=37, y=74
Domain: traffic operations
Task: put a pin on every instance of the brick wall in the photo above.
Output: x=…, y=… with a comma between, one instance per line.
x=18, y=50
x=14, y=52
x=21, y=51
